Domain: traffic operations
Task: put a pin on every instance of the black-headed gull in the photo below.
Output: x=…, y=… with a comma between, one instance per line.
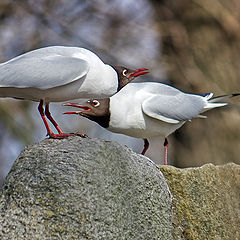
x=149, y=109
x=57, y=74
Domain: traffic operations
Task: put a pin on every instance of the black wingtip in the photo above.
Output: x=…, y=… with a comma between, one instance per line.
x=220, y=98
x=235, y=94
x=205, y=94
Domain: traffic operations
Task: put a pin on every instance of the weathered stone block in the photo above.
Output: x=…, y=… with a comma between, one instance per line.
x=206, y=201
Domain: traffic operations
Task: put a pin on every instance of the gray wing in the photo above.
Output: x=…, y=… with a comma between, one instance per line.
x=42, y=71
x=174, y=108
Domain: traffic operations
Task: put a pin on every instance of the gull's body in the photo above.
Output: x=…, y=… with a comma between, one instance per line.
x=145, y=110
x=57, y=74
x=138, y=120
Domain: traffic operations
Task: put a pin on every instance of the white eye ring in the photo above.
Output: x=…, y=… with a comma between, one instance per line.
x=95, y=103
x=124, y=72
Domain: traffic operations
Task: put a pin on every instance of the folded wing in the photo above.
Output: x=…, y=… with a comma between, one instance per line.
x=173, y=109
x=42, y=72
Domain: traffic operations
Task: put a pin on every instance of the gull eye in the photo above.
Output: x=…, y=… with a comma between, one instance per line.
x=95, y=103
x=124, y=72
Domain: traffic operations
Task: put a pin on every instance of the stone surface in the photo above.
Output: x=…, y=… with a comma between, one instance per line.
x=84, y=189
x=206, y=201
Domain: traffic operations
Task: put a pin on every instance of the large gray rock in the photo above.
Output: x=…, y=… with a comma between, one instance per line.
x=84, y=189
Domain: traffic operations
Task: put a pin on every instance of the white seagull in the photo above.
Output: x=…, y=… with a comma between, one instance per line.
x=57, y=74
x=148, y=109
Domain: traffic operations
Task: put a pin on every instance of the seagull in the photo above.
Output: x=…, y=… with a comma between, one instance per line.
x=58, y=74
x=147, y=109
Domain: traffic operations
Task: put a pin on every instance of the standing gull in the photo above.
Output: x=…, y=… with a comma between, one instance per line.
x=57, y=74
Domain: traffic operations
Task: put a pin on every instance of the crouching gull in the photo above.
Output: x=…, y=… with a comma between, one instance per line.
x=147, y=109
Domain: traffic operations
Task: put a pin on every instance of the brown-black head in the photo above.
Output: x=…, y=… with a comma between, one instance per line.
x=126, y=75
x=96, y=110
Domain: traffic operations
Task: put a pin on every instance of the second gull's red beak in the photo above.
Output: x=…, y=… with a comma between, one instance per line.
x=85, y=108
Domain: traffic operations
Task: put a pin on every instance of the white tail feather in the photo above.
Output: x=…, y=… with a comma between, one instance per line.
x=214, y=102
x=210, y=105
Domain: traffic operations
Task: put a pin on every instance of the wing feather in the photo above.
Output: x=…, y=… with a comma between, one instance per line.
x=174, y=108
x=42, y=71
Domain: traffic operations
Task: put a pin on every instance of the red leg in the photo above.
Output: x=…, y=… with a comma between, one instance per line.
x=166, y=151
x=41, y=111
x=48, y=114
x=146, y=145
x=60, y=131
x=49, y=131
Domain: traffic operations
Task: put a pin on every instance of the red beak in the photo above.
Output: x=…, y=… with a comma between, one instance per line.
x=139, y=72
x=78, y=106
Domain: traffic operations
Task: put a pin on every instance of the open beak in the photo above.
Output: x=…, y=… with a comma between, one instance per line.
x=139, y=72
x=85, y=108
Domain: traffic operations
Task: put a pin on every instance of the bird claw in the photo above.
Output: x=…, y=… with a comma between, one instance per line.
x=80, y=134
x=60, y=135
x=65, y=135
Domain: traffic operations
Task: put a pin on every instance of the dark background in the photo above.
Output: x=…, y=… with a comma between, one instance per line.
x=192, y=45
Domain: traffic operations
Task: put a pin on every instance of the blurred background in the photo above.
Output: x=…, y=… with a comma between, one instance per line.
x=192, y=45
